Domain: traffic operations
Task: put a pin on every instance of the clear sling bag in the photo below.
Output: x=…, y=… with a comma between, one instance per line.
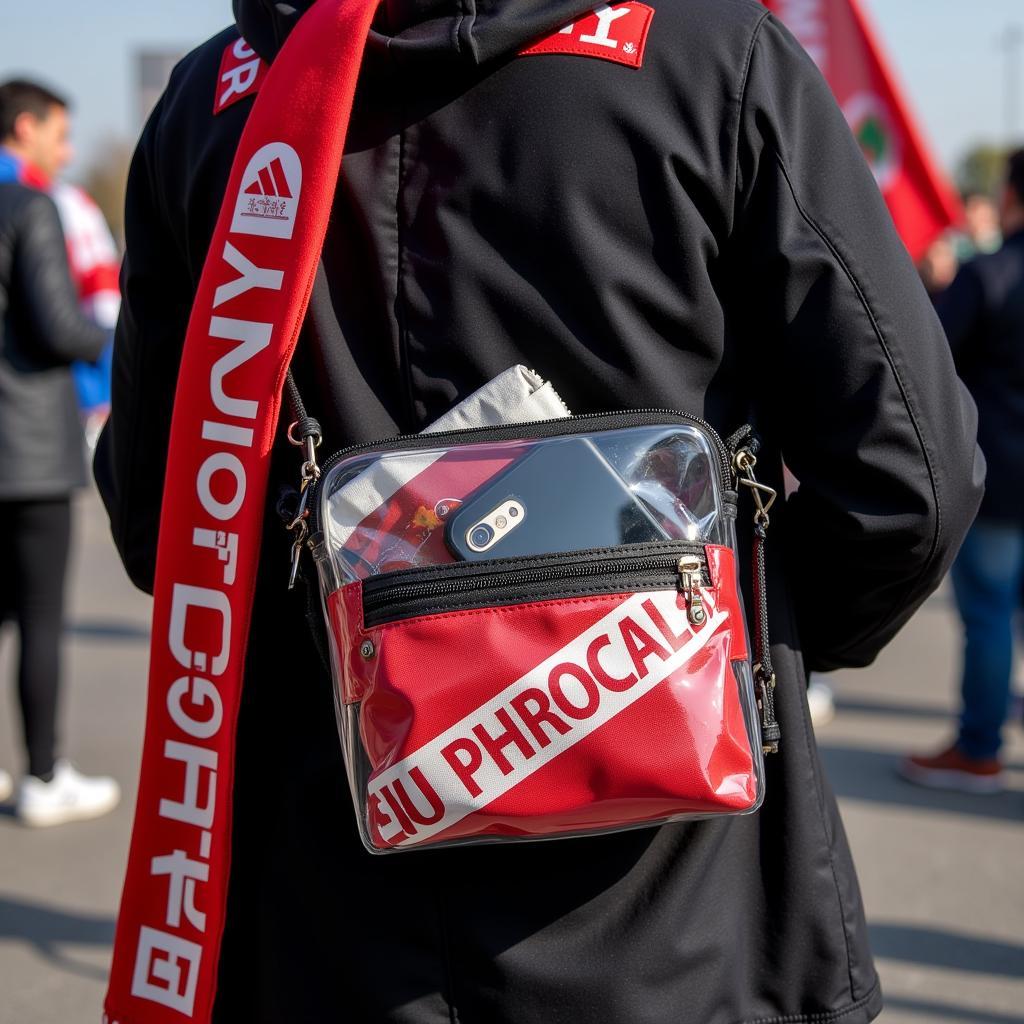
x=536, y=630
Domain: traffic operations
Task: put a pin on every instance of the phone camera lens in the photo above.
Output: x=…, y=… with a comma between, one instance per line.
x=513, y=511
x=480, y=536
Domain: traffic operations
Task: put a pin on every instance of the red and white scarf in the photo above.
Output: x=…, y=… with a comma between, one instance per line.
x=92, y=253
x=245, y=321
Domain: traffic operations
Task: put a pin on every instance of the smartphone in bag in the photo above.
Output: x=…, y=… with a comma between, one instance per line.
x=559, y=497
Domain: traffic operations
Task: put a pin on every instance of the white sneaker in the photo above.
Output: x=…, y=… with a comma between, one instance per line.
x=68, y=796
x=6, y=786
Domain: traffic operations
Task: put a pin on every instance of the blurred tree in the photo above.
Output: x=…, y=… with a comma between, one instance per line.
x=981, y=170
x=105, y=180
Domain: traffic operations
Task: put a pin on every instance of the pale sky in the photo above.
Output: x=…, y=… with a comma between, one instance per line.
x=946, y=53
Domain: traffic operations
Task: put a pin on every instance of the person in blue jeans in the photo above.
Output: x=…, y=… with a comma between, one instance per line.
x=983, y=314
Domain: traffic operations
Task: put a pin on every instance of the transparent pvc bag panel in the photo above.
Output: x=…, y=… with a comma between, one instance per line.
x=380, y=513
x=544, y=677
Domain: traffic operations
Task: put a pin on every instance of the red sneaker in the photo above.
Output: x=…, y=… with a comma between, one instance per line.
x=953, y=769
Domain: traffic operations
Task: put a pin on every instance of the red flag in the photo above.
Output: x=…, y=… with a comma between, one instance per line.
x=837, y=35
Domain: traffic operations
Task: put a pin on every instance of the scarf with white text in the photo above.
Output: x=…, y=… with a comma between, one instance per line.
x=245, y=321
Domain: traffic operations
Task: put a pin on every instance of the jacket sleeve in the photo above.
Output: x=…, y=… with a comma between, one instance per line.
x=42, y=279
x=856, y=384
x=156, y=293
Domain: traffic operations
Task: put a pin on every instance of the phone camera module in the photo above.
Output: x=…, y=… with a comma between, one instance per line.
x=480, y=536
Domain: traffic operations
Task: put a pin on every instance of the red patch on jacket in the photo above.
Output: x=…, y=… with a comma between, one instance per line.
x=616, y=32
x=241, y=74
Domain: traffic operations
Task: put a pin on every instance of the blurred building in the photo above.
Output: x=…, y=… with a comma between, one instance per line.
x=152, y=69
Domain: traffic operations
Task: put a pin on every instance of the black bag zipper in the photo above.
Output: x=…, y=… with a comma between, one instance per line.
x=466, y=585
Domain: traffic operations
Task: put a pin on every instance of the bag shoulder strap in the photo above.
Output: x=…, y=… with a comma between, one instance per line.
x=249, y=306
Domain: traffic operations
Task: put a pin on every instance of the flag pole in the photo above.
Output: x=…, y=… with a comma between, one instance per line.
x=1012, y=41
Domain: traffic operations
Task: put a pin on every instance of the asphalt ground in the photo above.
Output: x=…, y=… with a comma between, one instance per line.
x=942, y=874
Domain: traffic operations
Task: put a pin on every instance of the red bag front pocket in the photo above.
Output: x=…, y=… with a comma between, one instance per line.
x=584, y=712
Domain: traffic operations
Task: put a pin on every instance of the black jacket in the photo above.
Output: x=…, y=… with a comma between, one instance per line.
x=701, y=234
x=41, y=333
x=983, y=314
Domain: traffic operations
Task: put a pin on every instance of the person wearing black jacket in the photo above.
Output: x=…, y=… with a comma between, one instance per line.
x=700, y=232
x=42, y=332
x=983, y=314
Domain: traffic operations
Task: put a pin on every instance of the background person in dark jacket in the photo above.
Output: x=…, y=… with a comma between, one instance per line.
x=699, y=233
x=983, y=313
x=41, y=461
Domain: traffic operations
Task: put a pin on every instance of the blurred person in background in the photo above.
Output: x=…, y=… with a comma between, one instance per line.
x=981, y=233
x=983, y=313
x=94, y=262
x=92, y=254
x=42, y=332
x=939, y=266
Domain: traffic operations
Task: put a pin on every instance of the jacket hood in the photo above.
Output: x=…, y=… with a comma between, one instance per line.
x=424, y=31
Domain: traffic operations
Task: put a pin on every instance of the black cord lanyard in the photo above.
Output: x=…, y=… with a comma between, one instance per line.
x=764, y=497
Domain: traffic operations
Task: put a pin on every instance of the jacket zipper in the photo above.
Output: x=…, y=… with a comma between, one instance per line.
x=386, y=599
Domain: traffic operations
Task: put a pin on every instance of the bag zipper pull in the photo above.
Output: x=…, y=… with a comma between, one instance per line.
x=689, y=570
x=300, y=538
